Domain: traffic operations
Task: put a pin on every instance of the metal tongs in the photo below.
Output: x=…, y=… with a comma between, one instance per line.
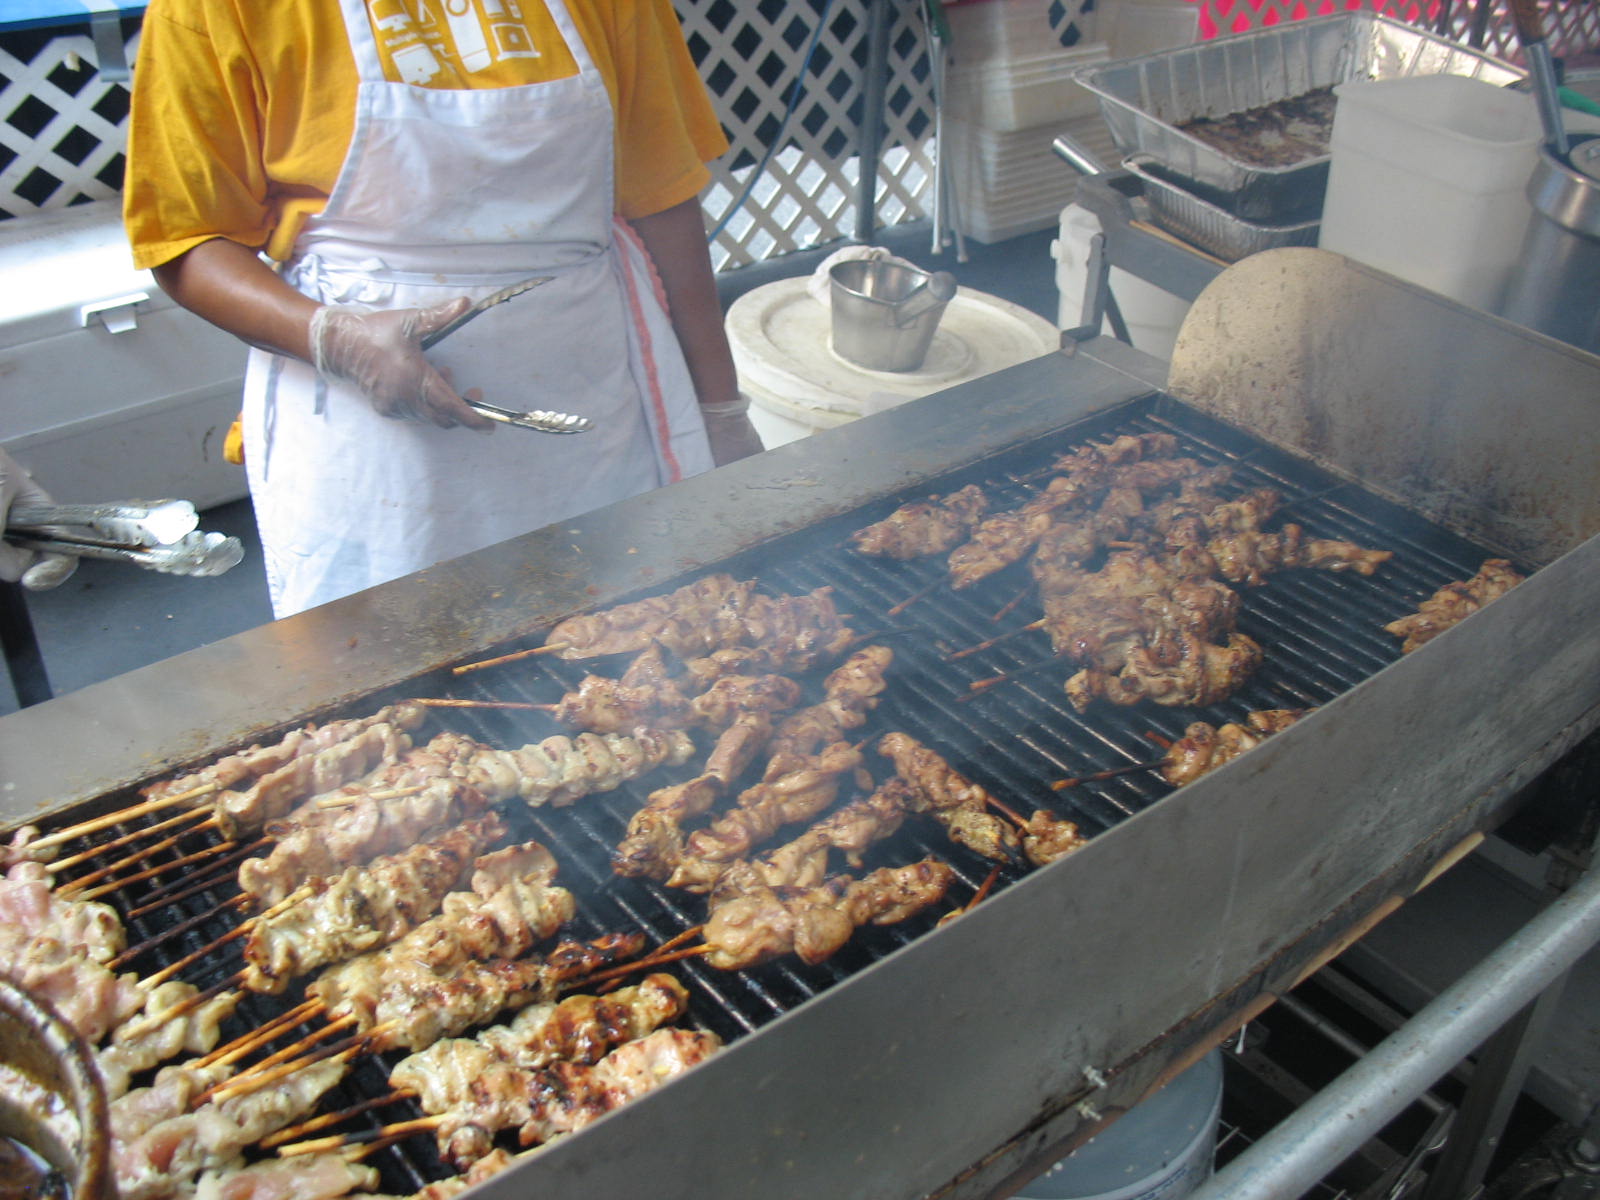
x=538, y=420
x=159, y=535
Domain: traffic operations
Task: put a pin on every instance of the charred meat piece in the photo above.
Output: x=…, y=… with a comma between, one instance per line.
x=1189, y=671
x=957, y=803
x=1204, y=747
x=1048, y=837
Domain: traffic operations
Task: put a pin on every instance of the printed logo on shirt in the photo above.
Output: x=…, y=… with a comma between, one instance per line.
x=431, y=41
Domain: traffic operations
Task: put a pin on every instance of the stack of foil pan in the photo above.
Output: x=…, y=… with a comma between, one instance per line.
x=1239, y=207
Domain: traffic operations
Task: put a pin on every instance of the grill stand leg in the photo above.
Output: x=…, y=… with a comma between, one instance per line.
x=1498, y=1076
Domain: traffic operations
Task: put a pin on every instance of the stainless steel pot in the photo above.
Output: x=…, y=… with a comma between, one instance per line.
x=1556, y=285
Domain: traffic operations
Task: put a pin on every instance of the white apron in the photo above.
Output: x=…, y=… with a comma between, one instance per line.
x=462, y=192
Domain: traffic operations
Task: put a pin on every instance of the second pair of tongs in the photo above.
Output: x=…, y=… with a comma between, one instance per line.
x=159, y=535
x=539, y=420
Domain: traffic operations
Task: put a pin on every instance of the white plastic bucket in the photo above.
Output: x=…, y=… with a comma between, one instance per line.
x=1159, y=1150
x=1427, y=181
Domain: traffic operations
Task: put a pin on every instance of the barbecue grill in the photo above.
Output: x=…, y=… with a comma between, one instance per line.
x=954, y=1061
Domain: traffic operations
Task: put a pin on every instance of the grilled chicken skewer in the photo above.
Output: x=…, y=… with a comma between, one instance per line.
x=764, y=923
x=546, y=1102
x=1454, y=603
x=932, y=526
x=715, y=613
x=800, y=794
x=162, y=1160
x=399, y=1000
x=364, y=906
x=581, y=1030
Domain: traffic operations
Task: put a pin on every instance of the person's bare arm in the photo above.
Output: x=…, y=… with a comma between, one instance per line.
x=676, y=241
x=379, y=352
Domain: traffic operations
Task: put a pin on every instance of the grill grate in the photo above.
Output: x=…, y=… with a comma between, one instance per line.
x=1321, y=631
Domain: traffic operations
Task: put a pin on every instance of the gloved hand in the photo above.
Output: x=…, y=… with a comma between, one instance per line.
x=730, y=432
x=380, y=352
x=36, y=571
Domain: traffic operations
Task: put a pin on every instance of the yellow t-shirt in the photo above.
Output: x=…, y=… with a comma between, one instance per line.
x=243, y=111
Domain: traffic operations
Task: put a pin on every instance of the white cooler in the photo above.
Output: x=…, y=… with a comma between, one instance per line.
x=109, y=390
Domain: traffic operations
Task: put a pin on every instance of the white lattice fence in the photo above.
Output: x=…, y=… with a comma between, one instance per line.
x=807, y=193
x=63, y=128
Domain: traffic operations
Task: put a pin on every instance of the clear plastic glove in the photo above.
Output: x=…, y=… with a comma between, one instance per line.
x=730, y=432
x=380, y=352
x=38, y=572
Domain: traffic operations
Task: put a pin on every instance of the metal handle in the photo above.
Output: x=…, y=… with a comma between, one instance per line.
x=481, y=307
x=1542, y=73
x=1076, y=154
x=538, y=420
x=130, y=523
x=195, y=554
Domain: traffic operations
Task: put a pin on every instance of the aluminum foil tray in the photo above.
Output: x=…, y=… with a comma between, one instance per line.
x=1203, y=224
x=1145, y=99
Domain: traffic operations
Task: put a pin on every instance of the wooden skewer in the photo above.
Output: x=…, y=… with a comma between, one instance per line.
x=548, y=648
x=256, y=1078
x=643, y=964
x=984, y=889
x=365, y=1149
x=347, y=799
x=981, y=685
x=62, y=864
x=295, y=1049
x=920, y=594
x=1009, y=813
x=117, y=885
x=256, y=1038
x=1164, y=742
x=342, y=1141
x=326, y=1119
x=171, y=969
x=180, y=889
x=519, y=704
x=73, y=886
x=673, y=943
x=243, y=929
x=988, y=643
x=145, y=1024
x=172, y=931
x=1011, y=604
x=1061, y=785
x=84, y=828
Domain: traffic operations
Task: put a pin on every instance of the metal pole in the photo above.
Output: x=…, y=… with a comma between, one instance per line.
x=872, y=121
x=1332, y=1125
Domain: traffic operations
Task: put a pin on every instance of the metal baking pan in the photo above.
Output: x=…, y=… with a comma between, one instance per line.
x=1203, y=224
x=1145, y=99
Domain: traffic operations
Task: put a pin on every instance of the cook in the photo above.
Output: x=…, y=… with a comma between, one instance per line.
x=333, y=180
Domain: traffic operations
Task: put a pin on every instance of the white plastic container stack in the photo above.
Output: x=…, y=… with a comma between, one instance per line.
x=1427, y=178
x=1009, y=91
